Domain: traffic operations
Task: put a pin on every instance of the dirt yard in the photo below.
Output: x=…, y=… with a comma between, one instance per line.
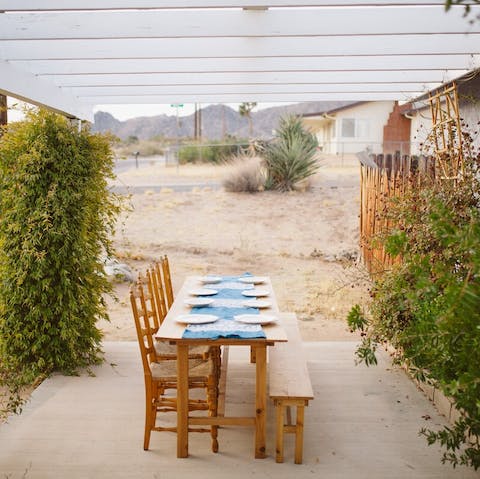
x=307, y=242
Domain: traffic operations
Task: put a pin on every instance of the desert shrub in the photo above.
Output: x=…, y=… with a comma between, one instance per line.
x=215, y=152
x=291, y=157
x=245, y=175
x=428, y=305
x=56, y=219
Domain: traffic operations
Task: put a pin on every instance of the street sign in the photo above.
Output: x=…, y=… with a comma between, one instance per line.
x=177, y=105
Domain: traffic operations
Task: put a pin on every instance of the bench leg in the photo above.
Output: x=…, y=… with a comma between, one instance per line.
x=279, y=409
x=299, y=434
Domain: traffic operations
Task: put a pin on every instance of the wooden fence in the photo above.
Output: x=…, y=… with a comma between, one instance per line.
x=382, y=179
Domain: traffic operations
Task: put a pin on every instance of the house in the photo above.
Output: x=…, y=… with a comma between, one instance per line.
x=375, y=126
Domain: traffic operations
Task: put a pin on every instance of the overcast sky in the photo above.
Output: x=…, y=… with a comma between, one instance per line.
x=123, y=112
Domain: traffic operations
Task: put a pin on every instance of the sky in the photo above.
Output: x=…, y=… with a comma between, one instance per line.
x=124, y=112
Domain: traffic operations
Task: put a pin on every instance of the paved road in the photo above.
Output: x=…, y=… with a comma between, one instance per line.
x=130, y=163
x=139, y=189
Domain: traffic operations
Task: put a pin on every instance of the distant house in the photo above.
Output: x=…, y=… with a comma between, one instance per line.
x=375, y=126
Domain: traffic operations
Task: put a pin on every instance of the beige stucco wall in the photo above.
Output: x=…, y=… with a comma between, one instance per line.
x=372, y=115
x=376, y=113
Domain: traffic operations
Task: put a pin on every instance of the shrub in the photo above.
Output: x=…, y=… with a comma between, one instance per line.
x=428, y=306
x=290, y=158
x=56, y=218
x=245, y=177
x=215, y=152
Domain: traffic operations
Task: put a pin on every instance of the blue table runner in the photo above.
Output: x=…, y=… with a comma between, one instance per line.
x=227, y=304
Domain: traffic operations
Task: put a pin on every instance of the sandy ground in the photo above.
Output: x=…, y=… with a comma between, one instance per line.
x=304, y=241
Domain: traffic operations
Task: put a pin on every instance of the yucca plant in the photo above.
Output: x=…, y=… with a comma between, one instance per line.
x=290, y=158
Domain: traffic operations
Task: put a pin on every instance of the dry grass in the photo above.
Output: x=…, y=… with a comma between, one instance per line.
x=245, y=175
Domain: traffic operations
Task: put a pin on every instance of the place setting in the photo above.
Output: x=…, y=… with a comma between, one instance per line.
x=259, y=319
x=255, y=293
x=196, y=318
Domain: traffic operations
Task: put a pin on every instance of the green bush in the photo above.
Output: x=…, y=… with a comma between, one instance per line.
x=55, y=223
x=290, y=157
x=428, y=306
x=215, y=152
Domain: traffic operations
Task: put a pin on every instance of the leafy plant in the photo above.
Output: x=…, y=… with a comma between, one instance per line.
x=56, y=218
x=215, y=152
x=290, y=157
x=428, y=306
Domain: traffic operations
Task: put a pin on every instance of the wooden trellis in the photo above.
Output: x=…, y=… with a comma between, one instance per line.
x=446, y=135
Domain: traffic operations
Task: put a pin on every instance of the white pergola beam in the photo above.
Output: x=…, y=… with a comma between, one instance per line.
x=239, y=98
x=47, y=5
x=247, y=78
x=248, y=89
x=161, y=48
x=25, y=86
x=274, y=64
x=348, y=21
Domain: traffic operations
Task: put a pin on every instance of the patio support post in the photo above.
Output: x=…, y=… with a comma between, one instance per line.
x=3, y=110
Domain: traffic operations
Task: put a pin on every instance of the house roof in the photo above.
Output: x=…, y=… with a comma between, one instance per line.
x=346, y=106
x=73, y=55
x=468, y=84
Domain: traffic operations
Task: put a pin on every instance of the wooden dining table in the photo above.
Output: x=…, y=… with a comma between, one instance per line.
x=172, y=331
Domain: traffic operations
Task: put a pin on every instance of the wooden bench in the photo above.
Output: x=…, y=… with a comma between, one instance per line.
x=289, y=385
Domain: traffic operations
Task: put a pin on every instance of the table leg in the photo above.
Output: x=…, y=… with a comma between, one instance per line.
x=260, y=400
x=182, y=400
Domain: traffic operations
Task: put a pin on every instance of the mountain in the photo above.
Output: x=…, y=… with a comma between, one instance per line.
x=217, y=120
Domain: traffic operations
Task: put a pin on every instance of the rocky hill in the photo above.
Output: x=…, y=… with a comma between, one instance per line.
x=217, y=121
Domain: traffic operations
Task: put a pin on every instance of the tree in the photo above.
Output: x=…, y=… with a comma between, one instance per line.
x=466, y=3
x=245, y=109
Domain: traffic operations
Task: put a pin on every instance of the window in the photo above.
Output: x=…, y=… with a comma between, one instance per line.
x=348, y=127
x=355, y=128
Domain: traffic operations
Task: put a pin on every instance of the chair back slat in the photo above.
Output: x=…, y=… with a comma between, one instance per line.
x=154, y=278
x=167, y=280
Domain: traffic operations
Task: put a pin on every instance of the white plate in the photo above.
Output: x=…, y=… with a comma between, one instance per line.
x=252, y=279
x=255, y=318
x=203, y=292
x=196, y=318
x=255, y=293
x=210, y=279
x=257, y=303
x=199, y=301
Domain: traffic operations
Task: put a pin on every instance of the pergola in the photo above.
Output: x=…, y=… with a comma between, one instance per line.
x=71, y=55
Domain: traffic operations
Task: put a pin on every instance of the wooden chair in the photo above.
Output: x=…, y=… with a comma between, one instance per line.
x=160, y=375
x=155, y=301
x=167, y=280
x=155, y=277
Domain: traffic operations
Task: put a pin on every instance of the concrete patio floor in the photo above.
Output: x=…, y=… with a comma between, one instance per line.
x=363, y=423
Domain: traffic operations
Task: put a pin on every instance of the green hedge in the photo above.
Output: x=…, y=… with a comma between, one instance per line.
x=55, y=223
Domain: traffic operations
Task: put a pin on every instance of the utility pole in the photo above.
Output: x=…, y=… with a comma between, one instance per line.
x=224, y=124
x=195, y=123
x=199, y=122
